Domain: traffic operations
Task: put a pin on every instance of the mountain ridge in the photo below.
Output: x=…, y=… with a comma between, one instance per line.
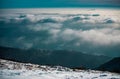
x=113, y=65
x=55, y=57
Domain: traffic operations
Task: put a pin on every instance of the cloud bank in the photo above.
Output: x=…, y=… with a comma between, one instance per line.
x=90, y=33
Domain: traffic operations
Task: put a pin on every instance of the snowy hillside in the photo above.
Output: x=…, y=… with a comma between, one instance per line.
x=15, y=70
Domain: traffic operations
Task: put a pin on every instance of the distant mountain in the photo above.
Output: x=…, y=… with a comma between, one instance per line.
x=53, y=57
x=113, y=65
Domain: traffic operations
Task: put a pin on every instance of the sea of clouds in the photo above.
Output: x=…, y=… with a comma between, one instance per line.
x=94, y=31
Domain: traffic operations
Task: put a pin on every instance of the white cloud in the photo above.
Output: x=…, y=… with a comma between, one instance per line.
x=28, y=45
x=20, y=38
x=93, y=36
x=68, y=34
x=36, y=27
x=54, y=31
x=87, y=30
x=100, y=38
x=43, y=27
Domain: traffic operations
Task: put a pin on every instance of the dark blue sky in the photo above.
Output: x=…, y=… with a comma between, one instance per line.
x=58, y=3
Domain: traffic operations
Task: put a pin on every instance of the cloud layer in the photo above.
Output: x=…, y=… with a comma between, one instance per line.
x=94, y=33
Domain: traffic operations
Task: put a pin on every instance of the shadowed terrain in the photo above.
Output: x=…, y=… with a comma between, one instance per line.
x=53, y=57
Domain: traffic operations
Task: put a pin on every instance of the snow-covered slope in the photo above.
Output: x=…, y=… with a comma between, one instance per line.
x=15, y=70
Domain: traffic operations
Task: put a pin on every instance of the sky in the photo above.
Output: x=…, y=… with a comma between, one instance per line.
x=58, y=3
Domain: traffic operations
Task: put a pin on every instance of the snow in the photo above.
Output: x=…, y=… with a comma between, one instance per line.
x=39, y=74
x=15, y=70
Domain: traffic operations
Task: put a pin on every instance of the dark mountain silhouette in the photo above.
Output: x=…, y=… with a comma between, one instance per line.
x=53, y=57
x=112, y=66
